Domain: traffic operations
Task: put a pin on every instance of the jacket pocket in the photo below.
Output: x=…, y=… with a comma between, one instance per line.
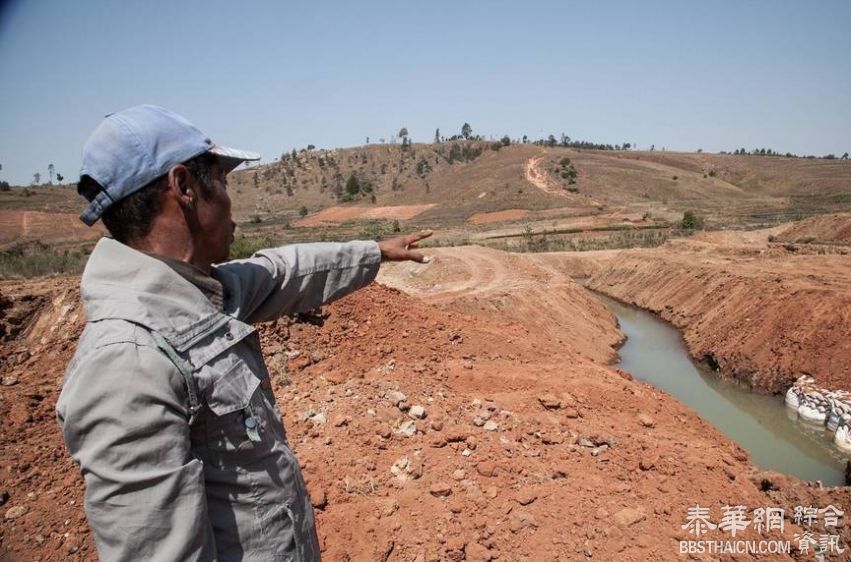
x=281, y=529
x=231, y=388
x=236, y=421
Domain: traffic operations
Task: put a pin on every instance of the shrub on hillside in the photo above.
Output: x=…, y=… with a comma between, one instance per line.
x=36, y=259
x=691, y=220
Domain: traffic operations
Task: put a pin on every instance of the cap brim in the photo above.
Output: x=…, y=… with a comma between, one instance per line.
x=232, y=157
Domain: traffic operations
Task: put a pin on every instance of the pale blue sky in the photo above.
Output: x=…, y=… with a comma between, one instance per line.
x=269, y=76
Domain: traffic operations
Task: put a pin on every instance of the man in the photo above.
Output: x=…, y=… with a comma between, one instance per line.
x=167, y=405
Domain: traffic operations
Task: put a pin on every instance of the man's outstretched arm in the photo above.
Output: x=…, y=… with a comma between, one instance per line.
x=300, y=277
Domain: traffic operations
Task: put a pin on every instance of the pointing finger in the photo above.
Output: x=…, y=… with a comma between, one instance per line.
x=417, y=236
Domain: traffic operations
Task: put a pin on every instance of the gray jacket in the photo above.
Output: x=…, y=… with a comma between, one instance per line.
x=168, y=410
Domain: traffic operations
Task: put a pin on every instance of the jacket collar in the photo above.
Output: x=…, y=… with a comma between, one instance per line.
x=120, y=282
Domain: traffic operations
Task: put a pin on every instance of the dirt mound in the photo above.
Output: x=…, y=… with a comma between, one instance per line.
x=522, y=289
x=428, y=432
x=826, y=228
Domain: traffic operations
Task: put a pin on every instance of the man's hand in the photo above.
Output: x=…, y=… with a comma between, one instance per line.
x=399, y=248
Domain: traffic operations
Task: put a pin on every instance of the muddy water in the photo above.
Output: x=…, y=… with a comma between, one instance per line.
x=654, y=352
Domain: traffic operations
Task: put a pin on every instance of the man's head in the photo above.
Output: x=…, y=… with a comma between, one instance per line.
x=149, y=174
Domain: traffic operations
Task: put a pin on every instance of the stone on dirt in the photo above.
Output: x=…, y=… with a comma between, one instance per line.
x=417, y=412
x=15, y=512
x=407, y=428
x=477, y=553
x=440, y=489
x=549, y=402
x=629, y=516
x=395, y=397
x=646, y=420
x=520, y=520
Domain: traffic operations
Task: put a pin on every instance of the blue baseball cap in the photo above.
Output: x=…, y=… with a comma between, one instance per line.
x=132, y=148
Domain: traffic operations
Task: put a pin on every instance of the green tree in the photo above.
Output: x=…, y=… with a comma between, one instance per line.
x=302, y=212
x=352, y=186
x=37, y=178
x=505, y=140
x=50, y=170
x=59, y=177
x=403, y=132
x=466, y=131
x=437, y=136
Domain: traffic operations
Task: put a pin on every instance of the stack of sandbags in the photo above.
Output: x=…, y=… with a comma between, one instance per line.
x=831, y=408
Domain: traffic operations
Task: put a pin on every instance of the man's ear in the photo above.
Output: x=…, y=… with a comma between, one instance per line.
x=182, y=186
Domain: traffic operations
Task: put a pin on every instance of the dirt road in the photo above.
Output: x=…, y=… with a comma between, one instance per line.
x=538, y=177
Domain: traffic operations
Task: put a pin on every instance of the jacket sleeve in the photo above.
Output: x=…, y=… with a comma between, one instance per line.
x=123, y=415
x=299, y=277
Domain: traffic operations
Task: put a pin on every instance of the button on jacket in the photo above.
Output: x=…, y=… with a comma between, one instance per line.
x=164, y=481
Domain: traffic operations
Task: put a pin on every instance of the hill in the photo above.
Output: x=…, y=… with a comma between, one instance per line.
x=478, y=191
x=461, y=178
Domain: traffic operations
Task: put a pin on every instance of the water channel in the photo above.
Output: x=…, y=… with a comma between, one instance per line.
x=654, y=352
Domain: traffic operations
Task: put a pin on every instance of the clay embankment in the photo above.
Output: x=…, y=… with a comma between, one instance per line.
x=758, y=313
x=524, y=448
x=533, y=295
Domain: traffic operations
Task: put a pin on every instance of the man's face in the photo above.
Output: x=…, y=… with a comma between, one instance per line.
x=214, y=217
